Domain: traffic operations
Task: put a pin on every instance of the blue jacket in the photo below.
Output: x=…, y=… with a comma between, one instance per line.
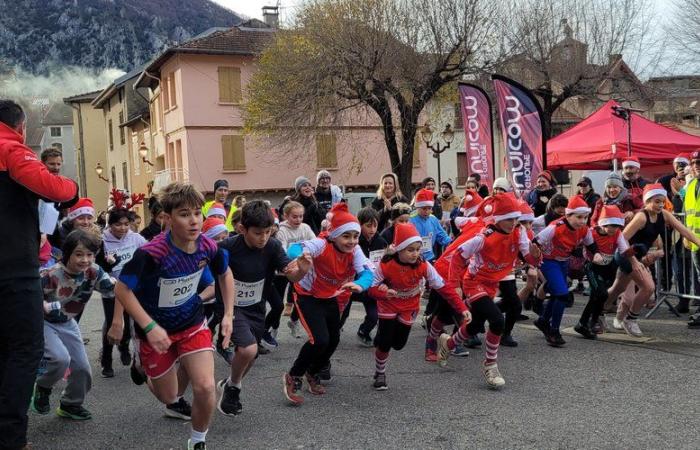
x=430, y=227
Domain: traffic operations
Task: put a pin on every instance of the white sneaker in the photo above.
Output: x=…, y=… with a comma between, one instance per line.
x=493, y=376
x=632, y=328
x=443, y=352
x=294, y=328
x=617, y=324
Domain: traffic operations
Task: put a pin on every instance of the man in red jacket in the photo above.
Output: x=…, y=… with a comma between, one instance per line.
x=23, y=181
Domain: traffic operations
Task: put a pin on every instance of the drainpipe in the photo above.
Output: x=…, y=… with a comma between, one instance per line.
x=81, y=167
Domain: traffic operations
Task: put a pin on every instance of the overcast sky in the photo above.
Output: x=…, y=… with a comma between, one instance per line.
x=253, y=8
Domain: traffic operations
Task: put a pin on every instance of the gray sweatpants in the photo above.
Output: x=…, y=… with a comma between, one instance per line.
x=63, y=349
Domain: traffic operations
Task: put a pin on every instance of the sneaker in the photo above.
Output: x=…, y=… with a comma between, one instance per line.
x=124, y=355
x=179, y=410
x=136, y=372
x=600, y=326
x=288, y=308
x=292, y=389
x=430, y=355
x=542, y=326
x=268, y=341
x=107, y=372
x=555, y=340
x=380, y=382
x=508, y=341
x=443, y=352
x=313, y=384
x=40, y=403
x=424, y=322
x=364, y=339
x=493, y=376
x=460, y=350
x=262, y=350
x=197, y=446
x=694, y=321
x=617, y=324
x=226, y=353
x=584, y=331
x=73, y=412
x=325, y=374
x=294, y=328
x=631, y=327
x=229, y=403
x=473, y=342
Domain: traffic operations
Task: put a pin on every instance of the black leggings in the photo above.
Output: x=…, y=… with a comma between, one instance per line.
x=274, y=316
x=108, y=307
x=483, y=310
x=274, y=298
x=370, y=305
x=600, y=278
x=321, y=318
x=391, y=334
x=510, y=304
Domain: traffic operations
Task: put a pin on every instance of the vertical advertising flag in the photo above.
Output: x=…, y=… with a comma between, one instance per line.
x=521, y=125
x=478, y=133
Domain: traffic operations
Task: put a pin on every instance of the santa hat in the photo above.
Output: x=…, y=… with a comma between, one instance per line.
x=424, y=198
x=470, y=202
x=341, y=221
x=611, y=215
x=631, y=161
x=577, y=205
x=213, y=227
x=274, y=214
x=682, y=158
x=653, y=190
x=405, y=234
x=502, y=207
x=84, y=207
x=526, y=213
x=217, y=209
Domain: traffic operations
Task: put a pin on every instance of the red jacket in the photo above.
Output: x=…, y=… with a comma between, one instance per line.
x=23, y=180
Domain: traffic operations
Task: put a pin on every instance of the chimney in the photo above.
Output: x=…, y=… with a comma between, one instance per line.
x=271, y=16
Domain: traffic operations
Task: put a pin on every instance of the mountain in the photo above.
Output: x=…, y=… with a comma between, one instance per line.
x=37, y=35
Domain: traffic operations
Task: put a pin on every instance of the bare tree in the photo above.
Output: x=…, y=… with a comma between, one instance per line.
x=684, y=28
x=387, y=58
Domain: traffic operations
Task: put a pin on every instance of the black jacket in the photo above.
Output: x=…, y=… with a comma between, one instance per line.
x=385, y=215
x=151, y=231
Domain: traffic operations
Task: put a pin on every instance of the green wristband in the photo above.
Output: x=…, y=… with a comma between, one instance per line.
x=149, y=327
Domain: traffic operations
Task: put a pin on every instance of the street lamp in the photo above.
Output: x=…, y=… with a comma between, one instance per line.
x=447, y=136
x=98, y=171
x=143, y=152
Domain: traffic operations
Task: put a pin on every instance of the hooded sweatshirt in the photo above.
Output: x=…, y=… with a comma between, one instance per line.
x=288, y=235
x=123, y=249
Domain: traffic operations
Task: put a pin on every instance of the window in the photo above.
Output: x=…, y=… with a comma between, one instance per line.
x=326, y=157
x=173, y=96
x=122, y=136
x=125, y=175
x=57, y=145
x=229, y=85
x=109, y=133
x=121, y=93
x=114, y=177
x=462, y=168
x=55, y=131
x=233, y=152
x=166, y=94
x=458, y=117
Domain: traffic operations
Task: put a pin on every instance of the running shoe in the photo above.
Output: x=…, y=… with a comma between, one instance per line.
x=229, y=403
x=493, y=376
x=631, y=327
x=181, y=409
x=508, y=341
x=325, y=374
x=137, y=374
x=268, y=341
x=584, y=331
x=430, y=347
x=40, y=403
x=107, y=371
x=617, y=324
x=292, y=389
x=554, y=339
x=125, y=355
x=73, y=412
x=542, y=326
x=460, y=350
x=600, y=326
x=197, y=446
x=443, y=352
x=380, y=382
x=294, y=328
x=313, y=384
x=262, y=350
x=365, y=340
x=473, y=342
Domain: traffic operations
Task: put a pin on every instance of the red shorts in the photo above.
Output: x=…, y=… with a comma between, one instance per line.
x=192, y=340
x=474, y=290
x=405, y=317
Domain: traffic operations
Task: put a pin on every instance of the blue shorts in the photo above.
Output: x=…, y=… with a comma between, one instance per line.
x=555, y=273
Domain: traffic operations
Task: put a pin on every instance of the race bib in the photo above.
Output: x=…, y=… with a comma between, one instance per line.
x=124, y=254
x=427, y=243
x=376, y=256
x=176, y=291
x=248, y=294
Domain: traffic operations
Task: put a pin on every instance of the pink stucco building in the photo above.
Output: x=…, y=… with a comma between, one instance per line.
x=197, y=90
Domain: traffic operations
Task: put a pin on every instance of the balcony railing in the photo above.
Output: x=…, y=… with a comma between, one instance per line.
x=167, y=176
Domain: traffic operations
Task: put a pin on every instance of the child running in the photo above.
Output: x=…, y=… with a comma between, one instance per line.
x=253, y=259
x=67, y=287
x=339, y=266
x=397, y=288
x=158, y=289
x=484, y=260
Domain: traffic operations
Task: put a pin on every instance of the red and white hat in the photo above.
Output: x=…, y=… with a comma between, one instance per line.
x=577, y=205
x=502, y=207
x=213, y=227
x=84, y=207
x=694, y=156
x=611, y=215
x=682, y=158
x=653, y=190
x=217, y=209
x=526, y=213
x=631, y=161
x=274, y=214
x=341, y=221
x=405, y=234
x=470, y=202
x=424, y=197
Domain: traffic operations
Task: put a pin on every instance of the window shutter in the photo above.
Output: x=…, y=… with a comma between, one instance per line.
x=230, y=84
x=326, y=155
x=233, y=152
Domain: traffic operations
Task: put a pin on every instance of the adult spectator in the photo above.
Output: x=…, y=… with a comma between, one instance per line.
x=429, y=184
x=155, y=226
x=674, y=182
x=616, y=194
x=388, y=194
x=632, y=179
x=481, y=189
x=221, y=192
x=545, y=188
x=585, y=190
x=326, y=194
x=304, y=194
x=52, y=158
x=23, y=180
x=691, y=205
x=448, y=200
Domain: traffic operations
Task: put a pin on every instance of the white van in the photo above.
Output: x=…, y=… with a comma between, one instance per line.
x=358, y=200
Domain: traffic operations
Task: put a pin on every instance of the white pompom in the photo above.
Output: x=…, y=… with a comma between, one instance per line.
x=329, y=216
x=469, y=198
x=488, y=209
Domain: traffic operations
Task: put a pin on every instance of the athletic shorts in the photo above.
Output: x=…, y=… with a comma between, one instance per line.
x=192, y=340
x=474, y=290
x=248, y=328
x=405, y=317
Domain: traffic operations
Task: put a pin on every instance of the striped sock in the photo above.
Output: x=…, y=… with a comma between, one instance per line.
x=492, y=343
x=435, y=328
x=458, y=338
x=380, y=359
x=632, y=316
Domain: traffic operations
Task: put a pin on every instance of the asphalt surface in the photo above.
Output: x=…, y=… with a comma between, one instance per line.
x=613, y=394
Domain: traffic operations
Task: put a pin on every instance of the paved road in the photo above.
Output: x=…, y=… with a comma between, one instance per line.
x=593, y=395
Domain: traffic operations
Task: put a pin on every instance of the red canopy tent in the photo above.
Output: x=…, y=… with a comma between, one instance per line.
x=592, y=143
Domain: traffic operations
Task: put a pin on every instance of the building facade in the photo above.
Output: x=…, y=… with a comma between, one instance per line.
x=57, y=125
